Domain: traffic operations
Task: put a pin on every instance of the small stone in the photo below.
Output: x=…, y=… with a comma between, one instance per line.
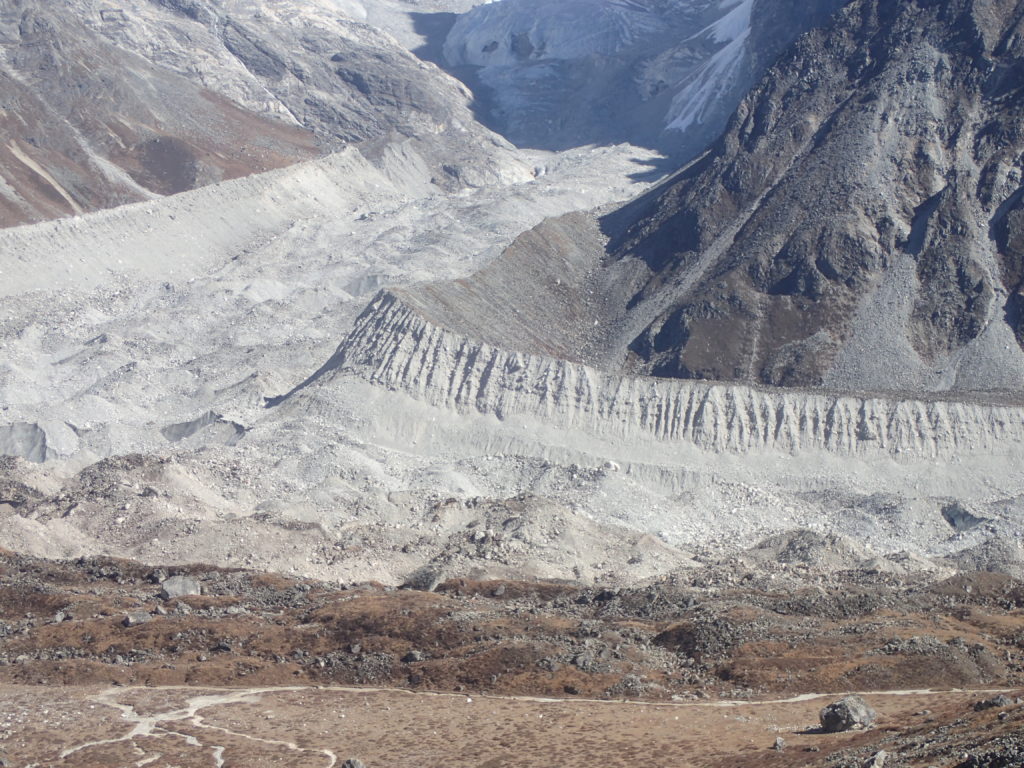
x=413, y=656
x=780, y=744
x=135, y=618
x=877, y=760
x=848, y=714
x=179, y=586
x=353, y=763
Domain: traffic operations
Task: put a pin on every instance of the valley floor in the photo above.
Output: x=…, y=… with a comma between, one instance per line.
x=101, y=666
x=301, y=726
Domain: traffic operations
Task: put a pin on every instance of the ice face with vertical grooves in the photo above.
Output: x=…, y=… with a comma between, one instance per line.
x=394, y=346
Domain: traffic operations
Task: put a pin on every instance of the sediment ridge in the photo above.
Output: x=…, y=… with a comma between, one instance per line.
x=394, y=346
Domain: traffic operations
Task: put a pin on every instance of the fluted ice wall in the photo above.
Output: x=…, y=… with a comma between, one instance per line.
x=394, y=346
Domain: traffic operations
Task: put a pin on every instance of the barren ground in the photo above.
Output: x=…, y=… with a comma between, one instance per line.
x=95, y=726
x=705, y=669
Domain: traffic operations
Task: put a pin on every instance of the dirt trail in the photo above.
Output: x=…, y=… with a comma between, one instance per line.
x=154, y=724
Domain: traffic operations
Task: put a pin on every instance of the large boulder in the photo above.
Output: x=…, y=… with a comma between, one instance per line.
x=848, y=714
x=135, y=618
x=179, y=586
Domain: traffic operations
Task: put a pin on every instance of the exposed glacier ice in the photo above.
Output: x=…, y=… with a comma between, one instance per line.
x=663, y=73
x=719, y=74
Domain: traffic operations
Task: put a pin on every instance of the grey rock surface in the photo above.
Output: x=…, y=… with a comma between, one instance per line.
x=1002, y=700
x=847, y=714
x=135, y=618
x=179, y=586
x=840, y=233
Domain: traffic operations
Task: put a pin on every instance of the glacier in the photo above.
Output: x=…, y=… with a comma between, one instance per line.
x=661, y=73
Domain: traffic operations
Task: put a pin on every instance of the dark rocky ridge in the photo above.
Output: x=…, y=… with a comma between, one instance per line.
x=857, y=226
x=891, y=139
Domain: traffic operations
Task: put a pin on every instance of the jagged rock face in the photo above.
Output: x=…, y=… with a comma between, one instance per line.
x=665, y=73
x=858, y=225
x=102, y=106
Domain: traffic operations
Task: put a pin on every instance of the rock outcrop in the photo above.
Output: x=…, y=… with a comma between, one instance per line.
x=857, y=226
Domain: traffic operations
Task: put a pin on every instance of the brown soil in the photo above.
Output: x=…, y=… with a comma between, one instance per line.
x=322, y=727
x=65, y=623
x=679, y=673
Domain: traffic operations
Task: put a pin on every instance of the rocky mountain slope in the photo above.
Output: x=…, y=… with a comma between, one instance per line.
x=855, y=228
x=846, y=230
x=105, y=105
x=663, y=73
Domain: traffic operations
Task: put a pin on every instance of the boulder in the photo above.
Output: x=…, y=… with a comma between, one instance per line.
x=848, y=714
x=135, y=618
x=1001, y=700
x=179, y=586
x=424, y=579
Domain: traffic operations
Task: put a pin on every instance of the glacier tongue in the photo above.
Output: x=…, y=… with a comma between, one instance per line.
x=664, y=73
x=517, y=31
